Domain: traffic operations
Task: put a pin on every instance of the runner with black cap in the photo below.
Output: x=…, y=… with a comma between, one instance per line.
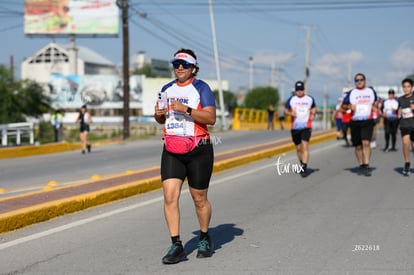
x=301, y=107
x=390, y=115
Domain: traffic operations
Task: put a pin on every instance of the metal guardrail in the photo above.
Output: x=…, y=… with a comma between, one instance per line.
x=17, y=130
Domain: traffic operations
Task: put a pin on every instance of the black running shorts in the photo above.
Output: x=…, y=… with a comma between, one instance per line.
x=408, y=131
x=299, y=135
x=197, y=166
x=361, y=130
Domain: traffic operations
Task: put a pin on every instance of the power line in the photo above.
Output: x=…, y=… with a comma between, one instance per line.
x=277, y=6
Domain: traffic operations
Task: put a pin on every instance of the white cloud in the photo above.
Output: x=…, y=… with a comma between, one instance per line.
x=336, y=64
x=268, y=57
x=403, y=57
x=400, y=65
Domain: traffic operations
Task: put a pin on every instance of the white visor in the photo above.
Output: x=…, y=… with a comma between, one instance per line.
x=185, y=57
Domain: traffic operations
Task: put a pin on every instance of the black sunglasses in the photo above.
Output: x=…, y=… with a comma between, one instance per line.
x=359, y=79
x=176, y=64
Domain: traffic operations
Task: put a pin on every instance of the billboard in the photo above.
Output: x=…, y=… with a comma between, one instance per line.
x=80, y=17
x=106, y=91
x=102, y=91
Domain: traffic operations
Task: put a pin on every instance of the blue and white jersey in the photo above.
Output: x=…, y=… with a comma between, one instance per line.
x=363, y=100
x=302, y=107
x=390, y=108
x=196, y=95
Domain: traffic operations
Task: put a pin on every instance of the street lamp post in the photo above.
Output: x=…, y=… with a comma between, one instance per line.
x=216, y=58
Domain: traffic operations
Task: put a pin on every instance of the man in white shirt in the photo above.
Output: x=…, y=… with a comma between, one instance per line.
x=301, y=107
x=362, y=101
x=390, y=115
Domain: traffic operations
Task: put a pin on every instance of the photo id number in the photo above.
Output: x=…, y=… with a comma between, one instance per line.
x=366, y=247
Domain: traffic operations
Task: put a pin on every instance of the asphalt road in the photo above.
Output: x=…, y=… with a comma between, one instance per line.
x=19, y=175
x=264, y=222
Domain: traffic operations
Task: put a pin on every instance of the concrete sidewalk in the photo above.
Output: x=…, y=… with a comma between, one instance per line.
x=19, y=211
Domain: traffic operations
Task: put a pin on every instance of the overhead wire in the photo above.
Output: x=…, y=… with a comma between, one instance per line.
x=258, y=9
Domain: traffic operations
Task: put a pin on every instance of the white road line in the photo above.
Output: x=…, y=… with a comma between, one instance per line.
x=132, y=207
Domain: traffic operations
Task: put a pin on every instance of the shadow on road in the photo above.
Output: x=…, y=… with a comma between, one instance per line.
x=355, y=170
x=400, y=170
x=310, y=171
x=220, y=235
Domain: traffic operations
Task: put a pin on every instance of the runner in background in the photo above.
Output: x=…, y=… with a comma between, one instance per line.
x=346, y=121
x=406, y=112
x=337, y=116
x=302, y=108
x=390, y=115
x=362, y=101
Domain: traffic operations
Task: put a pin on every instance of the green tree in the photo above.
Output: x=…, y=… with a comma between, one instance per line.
x=261, y=97
x=229, y=98
x=20, y=99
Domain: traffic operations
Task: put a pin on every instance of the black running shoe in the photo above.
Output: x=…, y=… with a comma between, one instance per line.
x=175, y=254
x=367, y=171
x=89, y=148
x=406, y=171
x=303, y=173
x=83, y=152
x=205, y=248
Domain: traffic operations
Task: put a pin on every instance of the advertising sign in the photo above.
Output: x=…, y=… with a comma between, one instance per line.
x=80, y=17
x=102, y=91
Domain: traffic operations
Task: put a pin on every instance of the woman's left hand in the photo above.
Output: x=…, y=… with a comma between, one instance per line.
x=177, y=106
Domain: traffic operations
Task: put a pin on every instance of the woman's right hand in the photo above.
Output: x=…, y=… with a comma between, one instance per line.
x=160, y=112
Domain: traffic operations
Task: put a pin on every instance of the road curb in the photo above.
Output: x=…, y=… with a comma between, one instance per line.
x=34, y=214
x=34, y=150
x=43, y=149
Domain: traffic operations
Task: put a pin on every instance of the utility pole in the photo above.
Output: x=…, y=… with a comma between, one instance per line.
x=125, y=67
x=273, y=76
x=349, y=74
x=251, y=73
x=12, y=68
x=216, y=59
x=307, y=53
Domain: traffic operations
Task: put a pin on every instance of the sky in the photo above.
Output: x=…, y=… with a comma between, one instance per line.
x=259, y=42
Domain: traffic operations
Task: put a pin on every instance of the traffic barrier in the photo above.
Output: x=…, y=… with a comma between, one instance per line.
x=16, y=130
x=253, y=119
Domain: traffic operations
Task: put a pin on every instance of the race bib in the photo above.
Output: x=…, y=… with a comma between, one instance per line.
x=407, y=113
x=175, y=125
x=362, y=110
x=302, y=112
